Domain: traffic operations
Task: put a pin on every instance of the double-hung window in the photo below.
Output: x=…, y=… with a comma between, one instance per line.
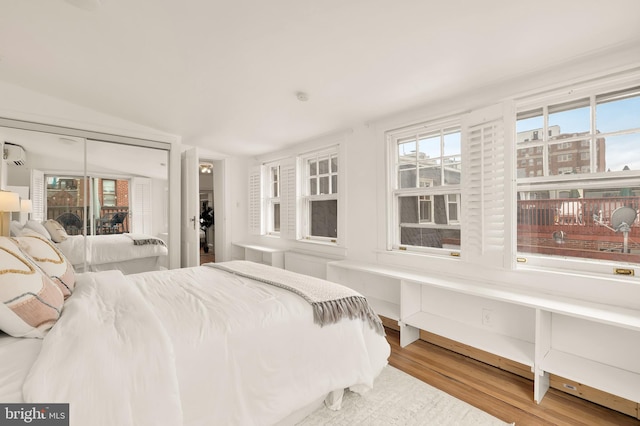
x=320, y=195
x=272, y=198
x=426, y=169
x=581, y=196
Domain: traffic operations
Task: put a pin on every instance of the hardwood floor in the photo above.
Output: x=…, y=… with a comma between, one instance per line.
x=502, y=394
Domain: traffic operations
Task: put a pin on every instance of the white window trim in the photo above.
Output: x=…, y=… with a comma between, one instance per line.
x=269, y=199
x=305, y=198
x=591, y=267
x=393, y=193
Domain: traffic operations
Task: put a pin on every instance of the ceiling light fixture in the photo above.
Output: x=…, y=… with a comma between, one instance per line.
x=302, y=97
x=206, y=168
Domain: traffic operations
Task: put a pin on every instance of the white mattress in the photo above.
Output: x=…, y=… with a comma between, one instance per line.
x=105, y=249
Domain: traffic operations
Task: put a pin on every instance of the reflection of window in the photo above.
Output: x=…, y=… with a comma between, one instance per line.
x=108, y=193
x=320, y=195
x=577, y=194
x=426, y=168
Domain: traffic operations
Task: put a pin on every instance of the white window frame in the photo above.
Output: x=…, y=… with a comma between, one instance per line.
x=394, y=193
x=307, y=198
x=271, y=199
x=595, y=180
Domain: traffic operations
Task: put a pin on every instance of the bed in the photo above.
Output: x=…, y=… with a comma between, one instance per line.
x=228, y=343
x=128, y=252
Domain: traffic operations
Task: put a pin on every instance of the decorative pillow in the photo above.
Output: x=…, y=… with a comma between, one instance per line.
x=15, y=228
x=30, y=302
x=38, y=227
x=57, y=232
x=51, y=260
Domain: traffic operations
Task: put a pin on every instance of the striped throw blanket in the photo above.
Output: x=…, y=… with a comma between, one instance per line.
x=331, y=302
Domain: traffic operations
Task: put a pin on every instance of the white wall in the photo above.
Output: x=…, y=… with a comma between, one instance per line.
x=366, y=229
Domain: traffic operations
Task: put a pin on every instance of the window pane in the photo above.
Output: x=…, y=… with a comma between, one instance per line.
x=276, y=217
x=579, y=222
x=412, y=209
x=618, y=111
x=452, y=170
x=430, y=237
x=529, y=125
x=407, y=176
x=452, y=144
x=407, y=150
x=324, y=218
x=275, y=189
x=313, y=186
x=619, y=152
x=334, y=164
x=529, y=162
x=313, y=168
x=334, y=184
x=324, y=185
x=569, y=118
x=429, y=147
x=323, y=166
x=430, y=173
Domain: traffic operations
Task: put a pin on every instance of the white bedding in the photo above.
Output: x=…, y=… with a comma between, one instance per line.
x=103, y=249
x=195, y=346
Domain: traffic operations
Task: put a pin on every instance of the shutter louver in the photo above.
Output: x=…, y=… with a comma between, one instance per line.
x=37, y=195
x=485, y=187
x=255, y=200
x=288, y=200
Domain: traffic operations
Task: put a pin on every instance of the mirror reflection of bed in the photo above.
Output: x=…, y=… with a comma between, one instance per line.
x=113, y=209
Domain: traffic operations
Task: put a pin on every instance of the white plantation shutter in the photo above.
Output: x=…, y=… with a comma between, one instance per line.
x=288, y=199
x=486, y=185
x=255, y=202
x=37, y=195
x=141, y=220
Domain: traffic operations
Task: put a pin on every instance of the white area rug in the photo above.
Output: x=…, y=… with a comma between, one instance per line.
x=400, y=399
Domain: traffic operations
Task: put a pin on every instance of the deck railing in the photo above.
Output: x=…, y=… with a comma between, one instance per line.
x=54, y=212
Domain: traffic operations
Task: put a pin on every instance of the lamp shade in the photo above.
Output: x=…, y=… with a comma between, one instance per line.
x=9, y=201
x=26, y=206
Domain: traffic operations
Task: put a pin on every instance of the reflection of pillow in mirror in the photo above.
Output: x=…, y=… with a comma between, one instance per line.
x=38, y=227
x=57, y=232
x=15, y=228
x=31, y=302
x=51, y=260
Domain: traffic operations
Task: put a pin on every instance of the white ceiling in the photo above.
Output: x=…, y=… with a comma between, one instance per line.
x=224, y=74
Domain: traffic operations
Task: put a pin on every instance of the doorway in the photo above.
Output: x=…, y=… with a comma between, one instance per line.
x=207, y=213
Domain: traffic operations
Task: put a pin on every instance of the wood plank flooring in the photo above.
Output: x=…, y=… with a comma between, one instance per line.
x=502, y=394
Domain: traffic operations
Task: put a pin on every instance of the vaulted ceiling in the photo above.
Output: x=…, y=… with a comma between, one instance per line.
x=224, y=74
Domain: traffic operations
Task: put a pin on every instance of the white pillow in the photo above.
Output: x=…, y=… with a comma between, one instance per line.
x=38, y=227
x=15, y=228
x=31, y=302
x=57, y=232
x=51, y=260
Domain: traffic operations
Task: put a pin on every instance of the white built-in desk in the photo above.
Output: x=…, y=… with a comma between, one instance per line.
x=590, y=343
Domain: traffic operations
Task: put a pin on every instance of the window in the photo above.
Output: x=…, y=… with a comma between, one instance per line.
x=320, y=195
x=426, y=168
x=588, y=190
x=272, y=199
x=108, y=193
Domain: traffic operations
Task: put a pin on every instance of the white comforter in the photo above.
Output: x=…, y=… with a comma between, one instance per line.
x=195, y=346
x=103, y=249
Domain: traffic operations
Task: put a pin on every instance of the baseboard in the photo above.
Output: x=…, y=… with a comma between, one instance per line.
x=390, y=323
x=596, y=396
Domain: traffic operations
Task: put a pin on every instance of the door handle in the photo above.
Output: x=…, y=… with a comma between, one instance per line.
x=193, y=219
